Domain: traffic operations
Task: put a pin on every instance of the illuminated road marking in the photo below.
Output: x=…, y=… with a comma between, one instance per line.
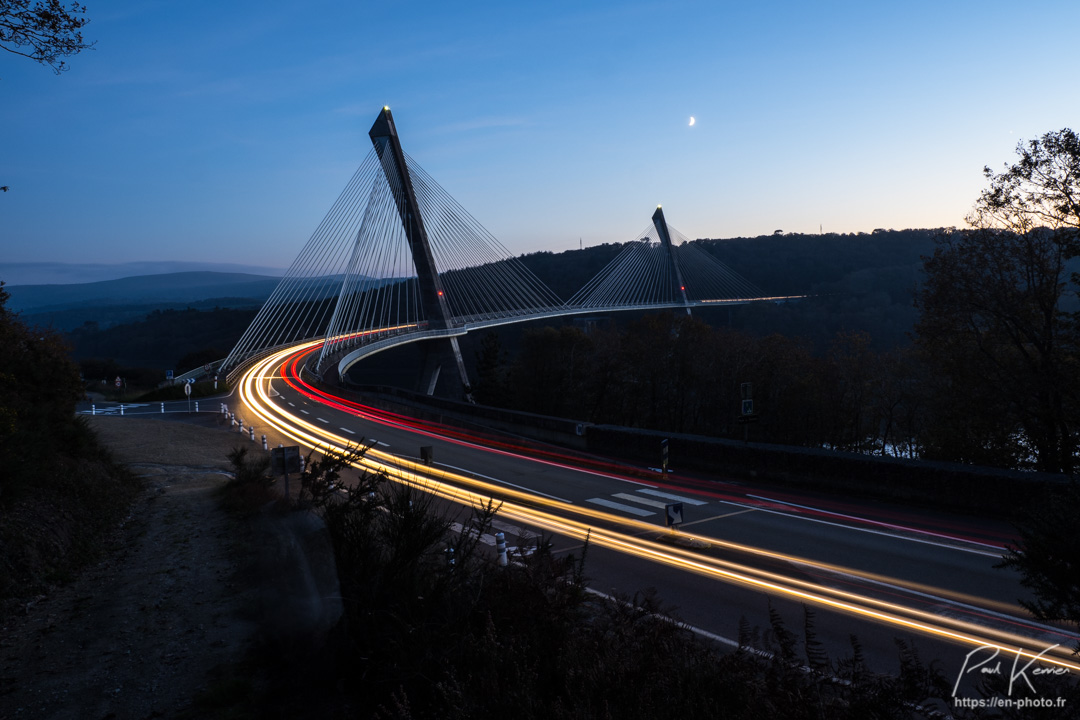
x=719, y=517
x=347, y=430
x=676, y=498
x=380, y=442
x=505, y=482
x=323, y=420
x=304, y=411
x=640, y=500
x=291, y=405
x=619, y=506
x=868, y=530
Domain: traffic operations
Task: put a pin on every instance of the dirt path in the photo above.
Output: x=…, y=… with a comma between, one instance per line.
x=139, y=634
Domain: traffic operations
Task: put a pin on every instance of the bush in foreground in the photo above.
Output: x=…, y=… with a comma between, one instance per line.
x=426, y=636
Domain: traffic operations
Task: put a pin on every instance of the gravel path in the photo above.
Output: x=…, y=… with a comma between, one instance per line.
x=140, y=634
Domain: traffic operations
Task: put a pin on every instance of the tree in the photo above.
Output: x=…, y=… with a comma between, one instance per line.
x=39, y=387
x=992, y=326
x=43, y=30
x=1048, y=557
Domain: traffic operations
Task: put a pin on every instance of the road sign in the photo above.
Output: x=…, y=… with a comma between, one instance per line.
x=747, y=407
x=673, y=514
x=285, y=460
x=187, y=389
x=168, y=374
x=118, y=382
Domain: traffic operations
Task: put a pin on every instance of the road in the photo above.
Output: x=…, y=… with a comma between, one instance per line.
x=871, y=570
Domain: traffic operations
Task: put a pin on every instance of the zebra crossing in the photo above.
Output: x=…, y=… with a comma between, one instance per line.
x=656, y=499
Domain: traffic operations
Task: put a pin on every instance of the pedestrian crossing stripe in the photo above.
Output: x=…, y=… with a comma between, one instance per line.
x=676, y=498
x=619, y=506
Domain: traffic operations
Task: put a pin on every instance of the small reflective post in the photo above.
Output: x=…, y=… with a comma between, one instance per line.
x=121, y=408
x=162, y=408
x=264, y=442
x=500, y=547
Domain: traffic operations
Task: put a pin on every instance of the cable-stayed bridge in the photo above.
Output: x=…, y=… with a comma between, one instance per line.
x=397, y=260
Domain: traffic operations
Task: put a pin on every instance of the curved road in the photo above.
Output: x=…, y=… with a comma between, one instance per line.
x=874, y=571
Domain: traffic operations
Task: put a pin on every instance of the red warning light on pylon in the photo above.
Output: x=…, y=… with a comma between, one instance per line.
x=440, y=293
x=682, y=287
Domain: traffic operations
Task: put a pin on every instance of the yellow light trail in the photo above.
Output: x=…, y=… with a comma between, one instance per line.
x=452, y=486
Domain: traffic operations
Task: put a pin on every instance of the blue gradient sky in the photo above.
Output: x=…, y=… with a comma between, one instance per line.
x=223, y=132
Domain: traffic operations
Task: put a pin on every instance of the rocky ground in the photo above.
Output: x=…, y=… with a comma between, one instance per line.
x=160, y=621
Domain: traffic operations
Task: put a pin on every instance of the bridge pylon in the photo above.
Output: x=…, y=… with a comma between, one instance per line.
x=665, y=241
x=433, y=299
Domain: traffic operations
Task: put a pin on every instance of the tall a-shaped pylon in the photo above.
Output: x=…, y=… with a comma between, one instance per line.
x=384, y=137
x=665, y=241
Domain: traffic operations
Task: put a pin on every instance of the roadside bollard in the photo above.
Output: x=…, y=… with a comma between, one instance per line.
x=196, y=406
x=500, y=547
x=251, y=433
x=162, y=408
x=93, y=409
x=240, y=423
x=121, y=408
x=450, y=561
x=264, y=442
x=301, y=463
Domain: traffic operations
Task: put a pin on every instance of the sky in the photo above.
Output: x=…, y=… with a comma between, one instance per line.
x=223, y=132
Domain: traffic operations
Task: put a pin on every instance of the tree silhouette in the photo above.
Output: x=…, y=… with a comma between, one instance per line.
x=44, y=31
x=992, y=324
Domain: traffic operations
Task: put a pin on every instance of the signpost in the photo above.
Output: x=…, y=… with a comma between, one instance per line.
x=664, y=455
x=673, y=514
x=284, y=460
x=746, y=392
x=187, y=391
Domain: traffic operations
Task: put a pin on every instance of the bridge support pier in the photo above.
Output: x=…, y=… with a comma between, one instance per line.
x=437, y=376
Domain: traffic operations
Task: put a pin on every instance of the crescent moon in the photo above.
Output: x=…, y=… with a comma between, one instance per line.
x=692, y=121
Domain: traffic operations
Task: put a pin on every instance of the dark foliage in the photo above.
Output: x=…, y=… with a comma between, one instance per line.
x=39, y=386
x=164, y=339
x=43, y=30
x=59, y=490
x=1048, y=556
x=675, y=373
x=432, y=633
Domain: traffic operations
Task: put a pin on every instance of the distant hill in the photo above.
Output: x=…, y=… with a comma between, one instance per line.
x=59, y=273
x=183, y=287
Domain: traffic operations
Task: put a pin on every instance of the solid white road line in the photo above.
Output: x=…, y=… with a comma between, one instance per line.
x=896, y=536
x=504, y=482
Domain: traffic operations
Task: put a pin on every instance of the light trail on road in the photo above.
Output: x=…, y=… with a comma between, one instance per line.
x=625, y=535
